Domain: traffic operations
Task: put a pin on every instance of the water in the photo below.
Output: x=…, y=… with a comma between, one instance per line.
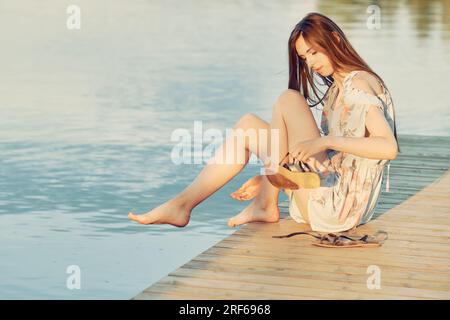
x=87, y=118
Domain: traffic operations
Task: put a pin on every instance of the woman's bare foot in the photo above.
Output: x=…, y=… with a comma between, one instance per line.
x=254, y=212
x=170, y=212
x=248, y=190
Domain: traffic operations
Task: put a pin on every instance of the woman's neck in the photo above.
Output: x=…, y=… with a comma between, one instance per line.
x=338, y=78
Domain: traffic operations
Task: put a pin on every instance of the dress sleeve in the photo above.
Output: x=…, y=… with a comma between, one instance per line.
x=361, y=94
x=359, y=98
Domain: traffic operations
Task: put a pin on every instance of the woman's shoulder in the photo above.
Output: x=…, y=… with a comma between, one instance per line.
x=364, y=81
x=363, y=88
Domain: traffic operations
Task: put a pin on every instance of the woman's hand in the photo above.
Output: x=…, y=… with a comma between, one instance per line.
x=305, y=149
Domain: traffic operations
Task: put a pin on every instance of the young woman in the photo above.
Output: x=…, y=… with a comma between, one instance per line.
x=358, y=139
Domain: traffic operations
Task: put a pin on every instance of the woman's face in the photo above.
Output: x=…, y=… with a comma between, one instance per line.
x=316, y=60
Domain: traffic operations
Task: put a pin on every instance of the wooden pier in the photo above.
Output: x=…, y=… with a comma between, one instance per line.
x=414, y=263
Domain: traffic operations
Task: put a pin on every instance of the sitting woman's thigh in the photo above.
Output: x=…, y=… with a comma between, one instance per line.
x=301, y=126
x=300, y=123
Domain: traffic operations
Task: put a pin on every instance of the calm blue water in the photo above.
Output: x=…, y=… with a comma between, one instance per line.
x=87, y=116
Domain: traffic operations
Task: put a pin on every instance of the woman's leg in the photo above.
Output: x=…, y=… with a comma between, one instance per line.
x=301, y=126
x=293, y=117
x=212, y=177
x=295, y=121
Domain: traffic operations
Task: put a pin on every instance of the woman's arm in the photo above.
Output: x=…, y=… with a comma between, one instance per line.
x=380, y=145
x=369, y=147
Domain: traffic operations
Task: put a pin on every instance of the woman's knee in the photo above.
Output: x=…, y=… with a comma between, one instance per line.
x=246, y=121
x=290, y=99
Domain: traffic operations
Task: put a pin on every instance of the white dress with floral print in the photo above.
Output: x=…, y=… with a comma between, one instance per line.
x=351, y=185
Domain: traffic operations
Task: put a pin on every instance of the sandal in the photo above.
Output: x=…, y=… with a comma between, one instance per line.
x=332, y=240
x=286, y=178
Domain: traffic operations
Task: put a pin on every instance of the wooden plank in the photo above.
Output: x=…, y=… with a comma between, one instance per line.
x=433, y=265
x=310, y=288
x=304, y=269
x=354, y=283
x=258, y=291
x=293, y=244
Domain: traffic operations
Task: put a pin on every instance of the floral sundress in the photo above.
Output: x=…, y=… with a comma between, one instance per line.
x=350, y=185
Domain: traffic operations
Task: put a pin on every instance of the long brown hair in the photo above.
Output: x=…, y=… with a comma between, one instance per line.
x=324, y=34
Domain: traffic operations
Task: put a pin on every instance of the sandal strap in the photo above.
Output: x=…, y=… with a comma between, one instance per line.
x=337, y=239
x=380, y=237
x=315, y=235
x=295, y=158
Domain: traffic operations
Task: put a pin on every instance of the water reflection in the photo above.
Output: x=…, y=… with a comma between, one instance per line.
x=426, y=17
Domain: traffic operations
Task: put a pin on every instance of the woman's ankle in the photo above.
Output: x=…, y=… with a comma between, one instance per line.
x=182, y=202
x=265, y=203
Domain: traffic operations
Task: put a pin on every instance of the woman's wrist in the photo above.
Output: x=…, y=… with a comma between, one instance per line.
x=328, y=142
